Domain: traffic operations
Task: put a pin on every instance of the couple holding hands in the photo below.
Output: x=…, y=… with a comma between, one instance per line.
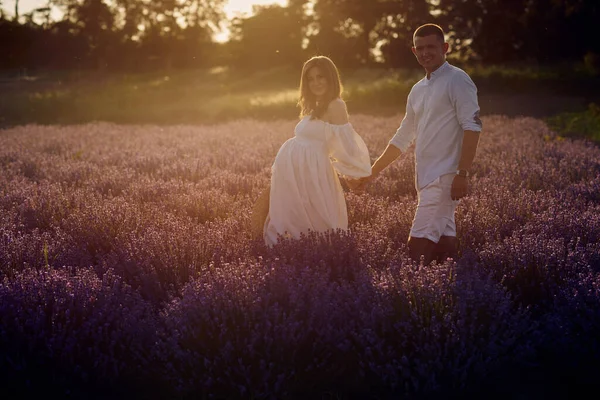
x=442, y=119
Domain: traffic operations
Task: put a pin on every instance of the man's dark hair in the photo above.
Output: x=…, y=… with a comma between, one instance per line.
x=429, y=29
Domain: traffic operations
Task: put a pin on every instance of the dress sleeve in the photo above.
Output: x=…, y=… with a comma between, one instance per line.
x=348, y=150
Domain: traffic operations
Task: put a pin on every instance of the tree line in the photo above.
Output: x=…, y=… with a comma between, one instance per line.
x=137, y=35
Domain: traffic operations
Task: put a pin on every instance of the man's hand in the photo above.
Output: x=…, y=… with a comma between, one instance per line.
x=460, y=187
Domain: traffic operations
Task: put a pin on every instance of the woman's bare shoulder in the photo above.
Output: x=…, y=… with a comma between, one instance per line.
x=337, y=113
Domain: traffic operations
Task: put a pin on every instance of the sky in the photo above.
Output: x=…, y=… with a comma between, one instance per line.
x=233, y=8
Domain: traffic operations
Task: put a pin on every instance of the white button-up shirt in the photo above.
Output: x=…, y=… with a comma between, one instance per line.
x=438, y=111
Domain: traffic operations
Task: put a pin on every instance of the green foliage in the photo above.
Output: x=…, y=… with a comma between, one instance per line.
x=505, y=31
x=579, y=124
x=131, y=35
x=379, y=91
x=192, y=96
x=566, y=78
x=270, y=37
x=526, y=72
x=219, y=94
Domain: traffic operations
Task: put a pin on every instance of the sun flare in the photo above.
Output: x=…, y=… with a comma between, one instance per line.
x=242, y=7
x=234, y=7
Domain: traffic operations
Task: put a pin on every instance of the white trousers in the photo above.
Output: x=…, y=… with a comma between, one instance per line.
x=435, y=211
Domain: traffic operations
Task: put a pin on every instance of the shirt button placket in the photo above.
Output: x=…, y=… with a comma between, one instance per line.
x=426, y=98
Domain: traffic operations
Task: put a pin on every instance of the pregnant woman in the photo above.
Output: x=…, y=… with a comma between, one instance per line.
x=305, y=193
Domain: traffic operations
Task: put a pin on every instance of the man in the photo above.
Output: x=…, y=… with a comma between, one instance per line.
x=442, y=116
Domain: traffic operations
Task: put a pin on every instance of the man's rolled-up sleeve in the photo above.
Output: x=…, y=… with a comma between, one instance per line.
x=405, y=134
x=463, y=94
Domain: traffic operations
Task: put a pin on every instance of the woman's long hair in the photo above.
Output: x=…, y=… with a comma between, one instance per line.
x=308, y=102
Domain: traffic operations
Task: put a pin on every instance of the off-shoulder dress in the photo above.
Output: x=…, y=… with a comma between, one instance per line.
x=306, y=194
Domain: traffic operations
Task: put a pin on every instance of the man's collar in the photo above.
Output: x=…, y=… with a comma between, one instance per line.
x=439, y=71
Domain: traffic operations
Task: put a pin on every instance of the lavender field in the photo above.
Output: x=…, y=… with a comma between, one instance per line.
x=128, y=270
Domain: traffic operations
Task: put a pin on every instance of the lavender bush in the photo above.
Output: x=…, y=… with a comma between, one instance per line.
x=127, y=267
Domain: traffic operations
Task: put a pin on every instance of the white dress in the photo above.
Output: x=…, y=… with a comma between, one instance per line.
x=306, y=193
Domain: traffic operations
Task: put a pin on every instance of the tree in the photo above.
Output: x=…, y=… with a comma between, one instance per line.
x=272, y=36
x=176, y=31
x=393, y=33
x=352, y=31
x=534, y=30
x=561, y=30
x=96, y=23
x=335, y=33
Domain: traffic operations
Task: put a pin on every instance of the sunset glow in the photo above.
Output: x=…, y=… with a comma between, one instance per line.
x=243, y=7
x=232, y=8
